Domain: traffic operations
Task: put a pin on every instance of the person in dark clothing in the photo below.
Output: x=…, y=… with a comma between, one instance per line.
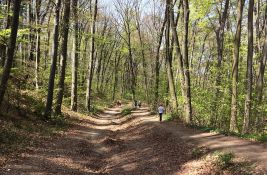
x=135, y=103
x=161, y=111
x=139, y=104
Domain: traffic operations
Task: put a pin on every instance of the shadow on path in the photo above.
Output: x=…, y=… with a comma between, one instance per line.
x=110, y=143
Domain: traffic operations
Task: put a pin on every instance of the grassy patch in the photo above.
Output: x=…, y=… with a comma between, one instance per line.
x=126, y=111
x=256, y=137
x=170, y=116
x=224, y=160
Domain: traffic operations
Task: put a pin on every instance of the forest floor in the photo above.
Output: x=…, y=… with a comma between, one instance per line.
x=111, y=143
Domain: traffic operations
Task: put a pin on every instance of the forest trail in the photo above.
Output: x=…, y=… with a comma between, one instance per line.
x=137, y=144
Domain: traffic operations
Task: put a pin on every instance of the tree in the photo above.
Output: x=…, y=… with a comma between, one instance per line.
x=11, y=49
x=172, y=88
x=260, y=77
x=188, y=106
x=49, y=101
x=144, y=64
x=75, y=55
x=92, y=59
x=157, y=65
x=38, y=41
x=233, y=122
x=219, y=31
x=63, y=61
x=249, y=69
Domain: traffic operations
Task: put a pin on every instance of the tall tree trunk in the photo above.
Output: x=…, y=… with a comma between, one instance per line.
x=116, y=78
x=260, y=78
x=174, y=103
x=38, y=41
x=75, y=51
x=220, y=46
x=64, y=56
x=10, y=50
x=233, y=121
x=157, y=65
x=143, y=54
x=92, y=60
x=188, y=106
x=249, y=69
x=31, y=40
x=47, y=48
x=180, y=69
x=49, y=101
x=133, y=75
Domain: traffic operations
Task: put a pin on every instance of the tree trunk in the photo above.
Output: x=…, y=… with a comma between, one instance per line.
x=64, y=56
x=47, y=48
x=143, y=55
x=92, y=60
x=188, y=106
x=249, y=69
x=10, y=50
x=260, y=78
x=233, y=121
x=174, y=103
x=49, y=101
x=157, y=65
x=116, y=78
x=75, y=51
x=38, y=41
x=220, y=46
x=31, y=41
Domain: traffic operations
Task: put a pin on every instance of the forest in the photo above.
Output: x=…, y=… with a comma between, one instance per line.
x=203, y=60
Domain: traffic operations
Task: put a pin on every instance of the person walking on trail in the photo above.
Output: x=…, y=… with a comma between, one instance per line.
x=135, y=103
x=139, y=104
x=161, y=111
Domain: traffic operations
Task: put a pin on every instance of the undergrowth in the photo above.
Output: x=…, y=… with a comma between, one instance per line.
x=126, y=111
x=21, y=121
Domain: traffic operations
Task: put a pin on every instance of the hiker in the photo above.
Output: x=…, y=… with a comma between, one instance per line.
x=118, y=103
x=161, y=111
x=139, y=104
x=135, y=103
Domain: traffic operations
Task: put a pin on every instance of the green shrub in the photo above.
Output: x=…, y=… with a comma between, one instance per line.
x=170, y=116
x=257, y=137
x=224, y=160
x=126, y=111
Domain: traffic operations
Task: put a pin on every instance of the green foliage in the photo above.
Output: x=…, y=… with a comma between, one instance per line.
x=96, y=109
x=201, y=8
x=5, y=33
x=58, y=121
x=256, y=137
x=202, y=106
x=128, y=96
x=170, y=116
x=224, y=160
x=126, y=111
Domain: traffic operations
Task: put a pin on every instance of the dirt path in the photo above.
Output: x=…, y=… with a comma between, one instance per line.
x=248, y=150
x=136, y=144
